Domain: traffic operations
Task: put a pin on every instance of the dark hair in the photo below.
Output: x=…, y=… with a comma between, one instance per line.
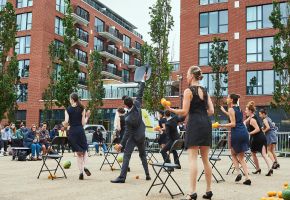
x=251, y=106
x=121, y=110
x=263, y=111
x=167, y=113
x=161, y=112
x=196, y=71
x=128, y=101
x=44, y=123
x=235, y=98
x=74, y=96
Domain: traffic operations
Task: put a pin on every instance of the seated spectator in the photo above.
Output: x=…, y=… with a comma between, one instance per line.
x=6, y=134
x=53, y=133
x=44, y=138
x=62, y=132
x=31, y=141
x=99, y=140
x=17, y=136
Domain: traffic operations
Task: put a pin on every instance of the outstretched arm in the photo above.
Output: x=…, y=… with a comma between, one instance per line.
x=138, y=101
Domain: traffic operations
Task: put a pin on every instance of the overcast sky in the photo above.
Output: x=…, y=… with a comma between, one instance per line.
x=137, y=12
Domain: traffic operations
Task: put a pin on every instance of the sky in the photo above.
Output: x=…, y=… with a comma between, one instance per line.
x=137, y=13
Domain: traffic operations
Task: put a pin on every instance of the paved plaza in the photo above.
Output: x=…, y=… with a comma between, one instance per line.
x=18, y=182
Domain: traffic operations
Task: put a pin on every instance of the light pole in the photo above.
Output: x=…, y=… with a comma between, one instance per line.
x=179, y=77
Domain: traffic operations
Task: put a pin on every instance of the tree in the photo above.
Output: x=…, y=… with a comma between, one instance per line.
x=218, y=63
x=157, y=55
x=95, y=86
x=8, y=62
x=67, y=83
x=281, y=56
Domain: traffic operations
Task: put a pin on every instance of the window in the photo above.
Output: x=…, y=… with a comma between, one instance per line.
x=137, y=62
x=204, y=53
x=23, y=45
x=125, y=75
x=58, y=26
x=57, y=70
x=213, y=22
x=258, y=49
x=81, y=56
x=98, y=44
x=22, y=91
x=82, y=78
x=2, y=4
x=284, y=12
x=138, y=45
x=261, y=82
x=23, y=3
x=175, y=66
x=126, y=58
x=23, y=68
x=99, y=25
x=55, y=116
x=24, y=21
x=83, y=93
x=20, y=117
x=127, y=41
x=83, y=35
x=208, y=82
x=61, y=6
x=206, y=2
x=58, y=45
x=82, y=13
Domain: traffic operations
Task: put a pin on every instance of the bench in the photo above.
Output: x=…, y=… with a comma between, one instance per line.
x=16, y=150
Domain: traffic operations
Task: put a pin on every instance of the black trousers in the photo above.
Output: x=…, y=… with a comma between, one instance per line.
x=164, y=154
x=5, y=144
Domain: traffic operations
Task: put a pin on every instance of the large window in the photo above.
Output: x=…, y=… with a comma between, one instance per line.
x=99, y=25
x=261, y=82
x=98, y=44
x=20, y=117
x=204, y=53
x=138, y=45
x=125, y=75
x=58, y=45
x=83, y=35
x=24, y=21
x=208, y=82
x=258, y=16
x=22, y=92
x=58, y=25
x=2, y=4
x=127, y=41
x=23, y=45
x=23, y=3
x=82, y=78
x=55, y=116
x=206, y=2
x=23, y=68
x=126, y=58
x=83, y=93
x=83, y=13
x=61, y=6
x=81, y=56
x=213, y=22
x=57, y=70
x=258, y=49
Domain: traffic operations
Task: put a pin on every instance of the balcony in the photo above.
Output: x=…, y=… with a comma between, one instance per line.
x=135, y=64
x=135, y=50
x=82, y=81
x=110, y=53
x=110, y=33
x=82, y=39
x=81, y=16
x=110, y=71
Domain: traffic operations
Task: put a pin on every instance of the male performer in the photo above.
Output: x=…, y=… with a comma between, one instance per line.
x=134, y=134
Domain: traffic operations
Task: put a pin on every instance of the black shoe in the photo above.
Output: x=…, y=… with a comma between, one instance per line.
x=88, y=173
x=270, y=172
x=118, y=180
x=169, y=169
x=238, y=178
x=178, y=167
x=148, y=178
x=258, y=171
x=277, y=165
x=81, y=177
x=128, y=170
x=208, y=195
x=192, y=196
x=247, y=182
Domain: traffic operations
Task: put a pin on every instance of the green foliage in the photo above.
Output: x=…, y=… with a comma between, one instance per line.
x=281, y=56
x=218, y=63
x=8, y=64
x=95, y=86
x=156, y=55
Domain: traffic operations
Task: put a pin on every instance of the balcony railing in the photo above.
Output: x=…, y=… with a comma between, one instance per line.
x=111, y=34
x=81, y=16
x=83, y=36
x=110, y=53
x=136, y=63
x=110, y=71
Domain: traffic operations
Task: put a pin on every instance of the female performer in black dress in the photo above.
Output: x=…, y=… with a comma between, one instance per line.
x=258, y=141
x=197, y=105
x=76, y=117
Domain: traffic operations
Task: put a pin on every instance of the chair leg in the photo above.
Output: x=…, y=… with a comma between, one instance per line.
x=200, y=175
x=43, y=163
x=214, y=167
x=59, y=165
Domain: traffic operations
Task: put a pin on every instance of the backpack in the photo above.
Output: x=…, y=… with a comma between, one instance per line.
x=22, y=155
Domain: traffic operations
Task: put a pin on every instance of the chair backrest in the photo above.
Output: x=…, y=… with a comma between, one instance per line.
x=177, y=145
x=220, y=147
x=59, y=142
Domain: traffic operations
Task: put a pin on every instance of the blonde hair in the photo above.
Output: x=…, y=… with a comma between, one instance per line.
x=196, y=71
x=251, y=106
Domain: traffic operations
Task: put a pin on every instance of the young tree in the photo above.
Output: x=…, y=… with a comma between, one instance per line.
x=161, y=23
x=218, y=63
x=281, y=56
x=8, y=63
x=95, y=86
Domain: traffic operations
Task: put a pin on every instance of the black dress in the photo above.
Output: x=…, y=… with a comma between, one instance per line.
x=77, y=137
x=163, y=139
x=198, y=129
x=258, y=140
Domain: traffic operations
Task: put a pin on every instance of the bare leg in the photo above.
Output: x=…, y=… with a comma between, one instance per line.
x=270, y=154
x=80, y=161
x=256, y=161
x=235, y=161
x=264, y=155
x=272, y=149
x=241, y=157
x=204, y=150
x=192, y=156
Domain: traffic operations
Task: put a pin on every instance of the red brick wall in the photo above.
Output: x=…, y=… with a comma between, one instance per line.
x=190, y=39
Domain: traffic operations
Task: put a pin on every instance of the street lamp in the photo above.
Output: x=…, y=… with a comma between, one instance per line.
x=179, y=77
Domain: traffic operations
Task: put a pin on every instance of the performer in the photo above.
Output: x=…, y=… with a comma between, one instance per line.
x=239, y=137
x=134, y=134
x=172, y=133
x=197, y=105
x=258, y=141
x=269, y=129
x=163, y=138
x=76, y=116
